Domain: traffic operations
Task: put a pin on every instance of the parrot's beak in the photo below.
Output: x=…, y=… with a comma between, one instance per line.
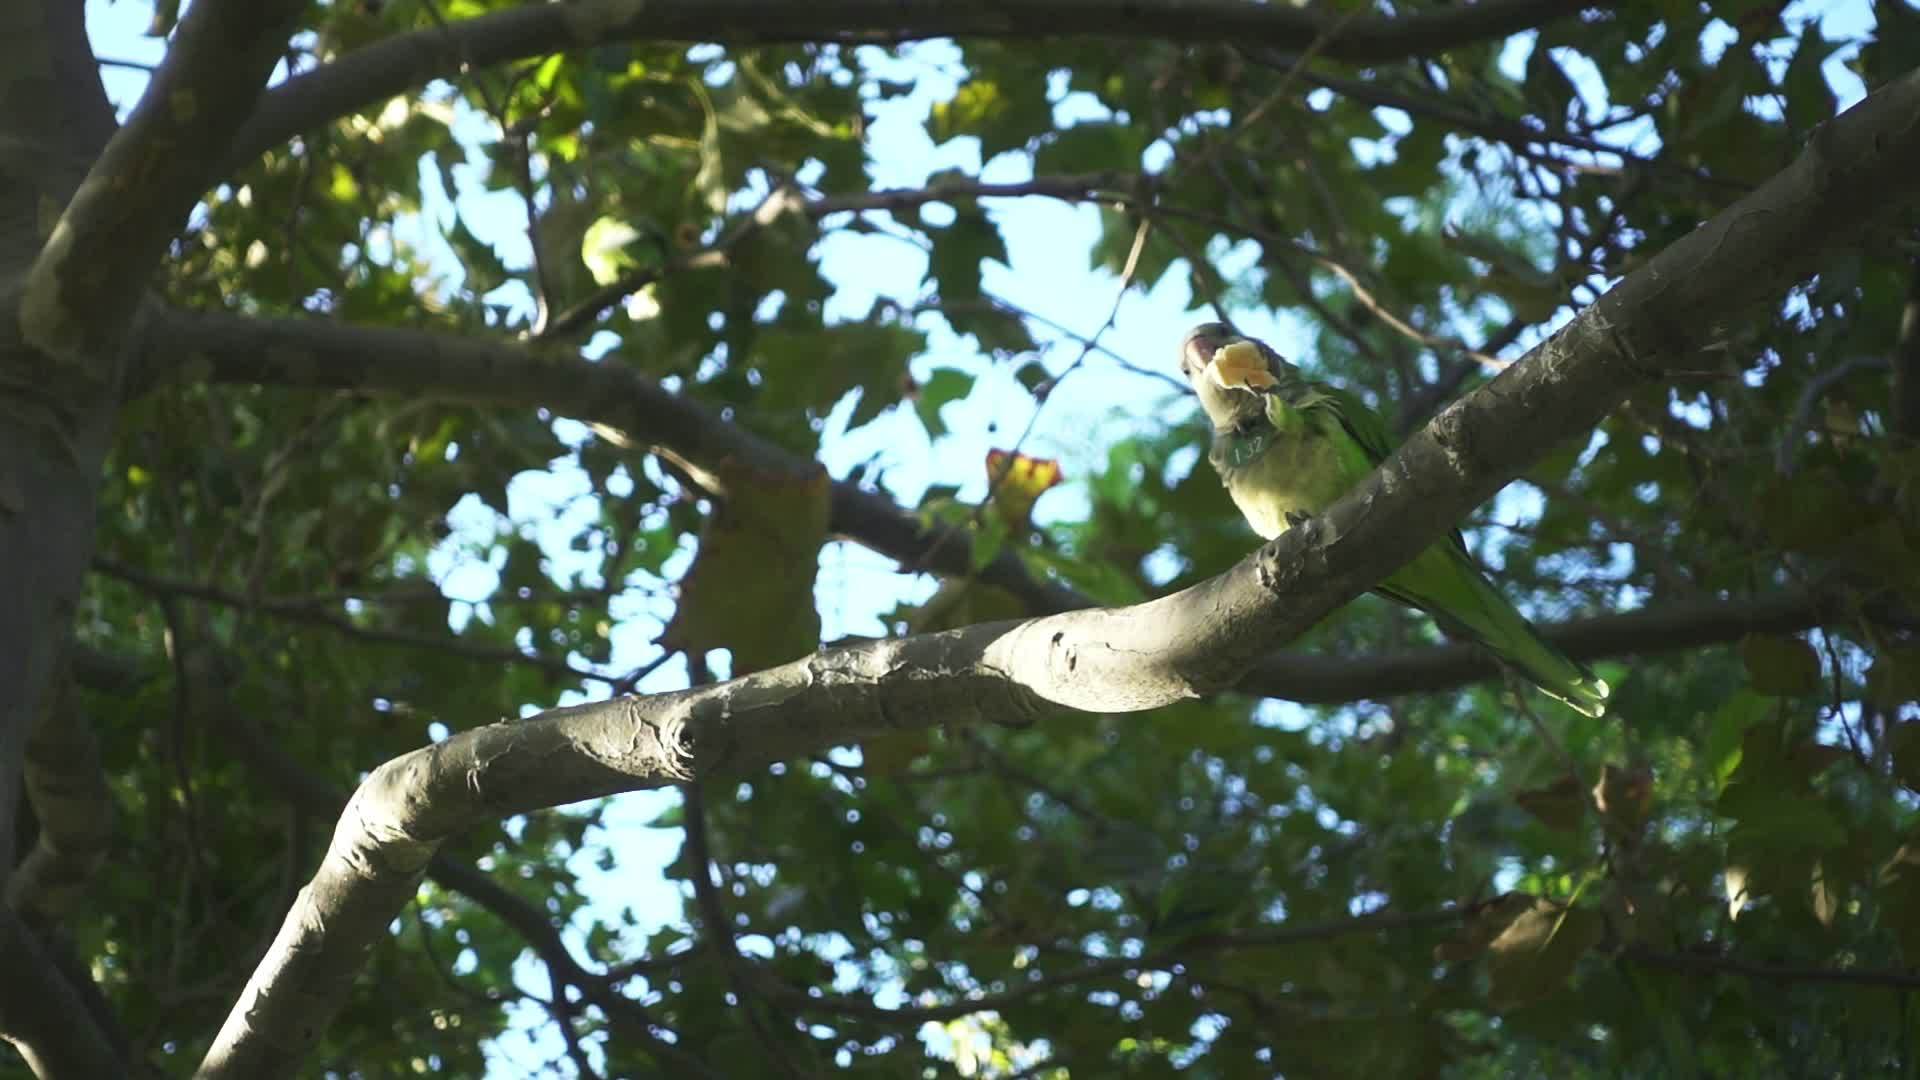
x=1196, y=352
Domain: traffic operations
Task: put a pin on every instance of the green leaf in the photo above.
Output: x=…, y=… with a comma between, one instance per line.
x=1727, y=732
x=1547, y=86
x=1780, y=666
x=1032, y=375
x=1817, y=512
x=1003, y=114
x=1768, y=818
x=945, y=386
x=1809, y=97
x=1091, y=147
x=1894, y=679
x=988, y=541
x=815, y=367
x=1903, y=741
x=960, y=250
x=485, y=272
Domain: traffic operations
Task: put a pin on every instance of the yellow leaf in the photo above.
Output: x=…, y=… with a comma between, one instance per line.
x=1559, y=805
x=344, y=188
x=750, y=590
x=1535, y=954
x=1017, y=482
x=1489, y=920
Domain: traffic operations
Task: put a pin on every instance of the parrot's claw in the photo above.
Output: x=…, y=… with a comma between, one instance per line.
x=1295, y=519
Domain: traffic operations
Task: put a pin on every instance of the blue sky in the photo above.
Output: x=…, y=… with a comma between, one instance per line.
x=1047, y=274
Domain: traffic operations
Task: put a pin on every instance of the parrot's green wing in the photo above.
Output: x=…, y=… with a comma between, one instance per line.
x=1360, y=422
x=1444, y=581
x=1365, y=430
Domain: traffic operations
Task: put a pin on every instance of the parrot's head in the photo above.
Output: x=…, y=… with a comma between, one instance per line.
x=1227, y=406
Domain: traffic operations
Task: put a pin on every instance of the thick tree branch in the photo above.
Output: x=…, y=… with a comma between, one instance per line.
x=54, y=116
x=41, y=1013
x=314, y=353
x=1321, y=679
x=309, y=793
x=397, y=64
x=55, y=422
x=68, y=792
x=86, y=283
x=412, y=362
x=1115, y=660
x=1199, y=640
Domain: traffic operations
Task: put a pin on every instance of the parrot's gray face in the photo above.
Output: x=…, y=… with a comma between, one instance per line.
x=1227, y=409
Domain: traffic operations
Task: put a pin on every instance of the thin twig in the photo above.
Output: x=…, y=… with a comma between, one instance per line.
x=1423, y=404
x=1810, y=395
x=1384, y=314
x=1713, y=963
x=1498, y=129
x=626, y=684
x=1245, y=123
x=486, y=999
x=131, y=65
x=333, y=621
x=1002, y=306
x=1012, y=770
x=1519, y=687
x=178, y=724
x=1045, y=392
x=604, y=298
x=1088, y=344
x=520, y=149
x=1199, y=945
x=562, y=1012
x=782, y=199
x=720, y=928
x=1083, y=187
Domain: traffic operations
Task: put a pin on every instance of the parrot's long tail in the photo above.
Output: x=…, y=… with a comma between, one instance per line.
x=1445, y=584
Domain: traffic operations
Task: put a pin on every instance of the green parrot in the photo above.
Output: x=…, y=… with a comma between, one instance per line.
x=1286, y=447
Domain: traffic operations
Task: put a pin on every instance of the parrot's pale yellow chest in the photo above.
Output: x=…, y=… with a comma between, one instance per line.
x=1301, y=471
